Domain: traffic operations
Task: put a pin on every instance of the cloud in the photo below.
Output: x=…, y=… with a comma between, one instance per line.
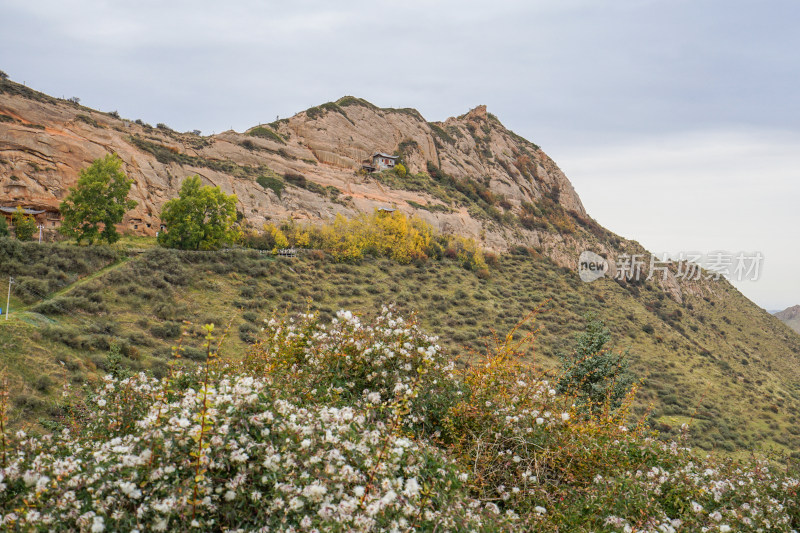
x=676, y=105
x=733, y=190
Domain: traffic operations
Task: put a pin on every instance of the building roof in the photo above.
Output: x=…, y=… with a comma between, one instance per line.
x=24, y=210
x=387, y=209
x=381, y=154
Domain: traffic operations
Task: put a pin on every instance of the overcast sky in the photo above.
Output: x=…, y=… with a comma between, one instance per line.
x=677, y=121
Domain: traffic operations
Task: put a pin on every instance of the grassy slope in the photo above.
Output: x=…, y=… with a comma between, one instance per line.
x=724, y=361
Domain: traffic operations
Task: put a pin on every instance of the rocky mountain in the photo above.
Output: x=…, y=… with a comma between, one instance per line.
x=46, y=141
x=791, y=317
x=468, y=175
x=703, y=351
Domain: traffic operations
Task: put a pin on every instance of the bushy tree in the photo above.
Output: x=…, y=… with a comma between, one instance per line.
x=201, y=218
x=98, y=202
x=24, y=225
x=400, y=169
x=3, y=227
x=594, y=373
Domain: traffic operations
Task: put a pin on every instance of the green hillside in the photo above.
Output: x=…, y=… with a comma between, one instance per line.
x=716, y=360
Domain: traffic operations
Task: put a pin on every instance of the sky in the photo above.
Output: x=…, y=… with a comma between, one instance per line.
x=677, y=121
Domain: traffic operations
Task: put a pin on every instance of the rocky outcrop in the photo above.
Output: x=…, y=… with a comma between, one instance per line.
x=791, y=317
x=45, y=142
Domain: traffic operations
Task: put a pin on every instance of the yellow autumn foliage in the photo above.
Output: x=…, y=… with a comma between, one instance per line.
x=379, y=234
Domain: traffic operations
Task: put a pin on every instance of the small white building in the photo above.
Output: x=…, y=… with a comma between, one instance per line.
x=379, y=161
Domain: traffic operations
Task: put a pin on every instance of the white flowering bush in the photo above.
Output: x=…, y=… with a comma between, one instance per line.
x=366, y=426
x=551, y=465
x=227, y=452
x=388, y=364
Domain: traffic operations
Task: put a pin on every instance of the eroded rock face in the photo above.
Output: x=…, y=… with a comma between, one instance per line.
x=45, y=142
x=44, y=145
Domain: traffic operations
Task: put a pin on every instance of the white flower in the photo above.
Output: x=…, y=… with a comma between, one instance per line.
x=564, y=417
x=98, y=524
x=724, y=528
x=716, y=516
x=696, y=507
x=540, y=420
x=296, y=504
x=539, y=509
x=412, y=487
x=130, y=490
x=315, y=491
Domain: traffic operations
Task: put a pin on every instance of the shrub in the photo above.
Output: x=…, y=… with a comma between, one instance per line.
x=274, y=184
x=223, y=439
x=296, y=179
x=364, y=426
x=598, y=377
x=166, y=330
x=266, y=133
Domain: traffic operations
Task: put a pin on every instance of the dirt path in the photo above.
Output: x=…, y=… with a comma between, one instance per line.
x=81, y=281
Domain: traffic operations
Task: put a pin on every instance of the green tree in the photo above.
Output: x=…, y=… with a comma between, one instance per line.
x=201, y=218
x=595, y=373
x=400, y=169
x=24, y=225
x=3, y=226
x=98, y=202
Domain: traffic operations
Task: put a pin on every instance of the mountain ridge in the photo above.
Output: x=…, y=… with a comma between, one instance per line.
x=790, y=316
x=467, y=175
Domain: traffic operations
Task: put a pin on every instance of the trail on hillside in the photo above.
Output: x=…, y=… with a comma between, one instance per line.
x=81, y=281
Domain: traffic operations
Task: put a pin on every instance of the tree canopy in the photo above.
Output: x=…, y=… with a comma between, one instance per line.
x=98, y=202
x=24, y=225
x=201, y=218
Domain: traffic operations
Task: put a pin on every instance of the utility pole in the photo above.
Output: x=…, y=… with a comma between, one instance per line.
x=8, y=300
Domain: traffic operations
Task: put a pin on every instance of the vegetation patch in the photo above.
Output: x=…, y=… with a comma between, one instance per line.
x=266, y=133
x=276, y=185
x=88, y=120
x=365, y=424
x=346, y=101
x=318, y=111
x=440, y=134
x=433, y=208
x=409, y=111
x=168, y=154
